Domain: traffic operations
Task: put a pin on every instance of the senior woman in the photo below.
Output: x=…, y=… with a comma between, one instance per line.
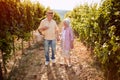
x=67, y=39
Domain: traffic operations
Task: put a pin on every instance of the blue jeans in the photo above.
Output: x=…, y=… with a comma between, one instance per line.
x=47, y=45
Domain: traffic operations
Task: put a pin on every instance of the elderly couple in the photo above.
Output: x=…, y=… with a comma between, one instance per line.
x=49, y=29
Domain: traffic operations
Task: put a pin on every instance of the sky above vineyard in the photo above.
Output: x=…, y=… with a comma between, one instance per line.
x=64, y=4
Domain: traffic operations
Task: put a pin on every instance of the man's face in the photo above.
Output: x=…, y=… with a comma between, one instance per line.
x=50, y=15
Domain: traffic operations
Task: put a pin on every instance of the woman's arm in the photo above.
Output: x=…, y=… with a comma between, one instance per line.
x=71, y=38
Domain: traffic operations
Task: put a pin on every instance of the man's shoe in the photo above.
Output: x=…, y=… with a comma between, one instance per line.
x=46, y=63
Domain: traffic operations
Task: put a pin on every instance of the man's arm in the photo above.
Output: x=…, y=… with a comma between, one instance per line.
x=42, y=28
x=57, y=33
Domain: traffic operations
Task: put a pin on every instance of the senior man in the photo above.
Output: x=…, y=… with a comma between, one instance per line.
x=48, y=27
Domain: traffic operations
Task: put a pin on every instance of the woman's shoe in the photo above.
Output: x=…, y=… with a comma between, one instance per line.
x=69, y=65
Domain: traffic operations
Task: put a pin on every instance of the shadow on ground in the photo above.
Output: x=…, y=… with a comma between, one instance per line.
x=31, y=66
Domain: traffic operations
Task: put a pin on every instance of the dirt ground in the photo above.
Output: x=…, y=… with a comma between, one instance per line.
x=31, y=65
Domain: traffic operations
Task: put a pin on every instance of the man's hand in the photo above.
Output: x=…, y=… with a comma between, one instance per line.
x=40, y=30
x=44, y=28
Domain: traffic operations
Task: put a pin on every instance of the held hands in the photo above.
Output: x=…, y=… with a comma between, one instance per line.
x=58, y=38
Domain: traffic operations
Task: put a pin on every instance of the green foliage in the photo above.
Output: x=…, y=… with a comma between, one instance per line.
x=39, y=14
x=84, y=23
x=17, y=19
x=57, y=18
x=99, y=29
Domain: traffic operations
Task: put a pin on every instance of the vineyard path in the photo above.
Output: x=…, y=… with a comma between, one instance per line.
x=31, y=65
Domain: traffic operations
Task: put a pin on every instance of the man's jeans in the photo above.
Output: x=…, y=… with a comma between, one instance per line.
x=47, y=45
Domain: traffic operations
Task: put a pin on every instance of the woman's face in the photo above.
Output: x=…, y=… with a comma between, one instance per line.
x=65, y=24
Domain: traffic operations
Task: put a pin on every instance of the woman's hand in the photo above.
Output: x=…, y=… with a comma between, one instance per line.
x=71, y=45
